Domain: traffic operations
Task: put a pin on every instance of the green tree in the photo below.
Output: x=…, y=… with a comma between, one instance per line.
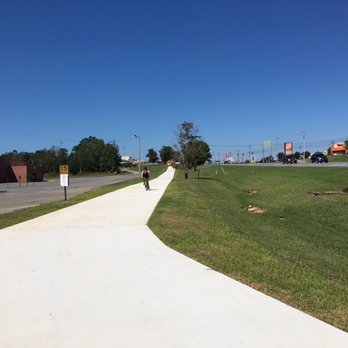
x=200, y=153
x=152, y=155
x=192, y=149
x=280, y=156
x=297, y=155
x=167, y=153
x=62, y=156
x=92, y=155
x=73, y=162
x=47, y=159
x=187, y=133
x=110, y=159
x=87, y=154
x=17, y=156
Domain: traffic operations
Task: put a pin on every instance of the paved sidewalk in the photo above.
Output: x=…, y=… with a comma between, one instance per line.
x=94, y=276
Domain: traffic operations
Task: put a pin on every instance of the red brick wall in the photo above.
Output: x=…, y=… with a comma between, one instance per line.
x=18, y=171
x=3, y=170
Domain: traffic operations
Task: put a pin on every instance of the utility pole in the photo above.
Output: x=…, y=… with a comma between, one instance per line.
x=270, y=158
x=304, y=146
x=139, y=153
x=263, y=153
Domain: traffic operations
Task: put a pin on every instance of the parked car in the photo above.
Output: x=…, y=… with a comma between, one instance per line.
x=289, y=159
x=319, y=157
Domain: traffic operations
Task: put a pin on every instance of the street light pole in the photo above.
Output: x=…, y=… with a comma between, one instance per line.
x=139, y=153
x=304, y=146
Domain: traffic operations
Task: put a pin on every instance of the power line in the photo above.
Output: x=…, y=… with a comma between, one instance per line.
x=30, y=134
x=311, y=143
x=233, y=145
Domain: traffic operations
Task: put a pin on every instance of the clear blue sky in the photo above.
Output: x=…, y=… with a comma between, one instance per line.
x=242, y=70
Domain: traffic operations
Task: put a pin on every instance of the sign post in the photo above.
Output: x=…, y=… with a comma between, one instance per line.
x=64, y=178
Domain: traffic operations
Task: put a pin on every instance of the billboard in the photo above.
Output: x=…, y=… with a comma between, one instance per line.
x=338, y=148
x=288, y=148
x=267, y=144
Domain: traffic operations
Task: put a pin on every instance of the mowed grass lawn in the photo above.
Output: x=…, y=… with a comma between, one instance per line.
x=294, y=249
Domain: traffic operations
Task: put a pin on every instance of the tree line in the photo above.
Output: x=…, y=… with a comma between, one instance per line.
x=96, y=155
x=90, y=155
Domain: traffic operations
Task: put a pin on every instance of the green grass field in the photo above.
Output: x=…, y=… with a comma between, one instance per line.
x=338, y=158
x=264, y=227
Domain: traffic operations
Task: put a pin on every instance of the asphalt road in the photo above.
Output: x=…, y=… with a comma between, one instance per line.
x=301, y=164
x=14, y=196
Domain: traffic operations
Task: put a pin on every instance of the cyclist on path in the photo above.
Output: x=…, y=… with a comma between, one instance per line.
x=145, y=175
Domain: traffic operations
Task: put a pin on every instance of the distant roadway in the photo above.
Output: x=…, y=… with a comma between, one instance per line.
x=14, y=196
x=301, y=164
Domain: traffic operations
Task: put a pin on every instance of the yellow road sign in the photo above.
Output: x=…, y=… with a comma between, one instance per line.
x=64, y=169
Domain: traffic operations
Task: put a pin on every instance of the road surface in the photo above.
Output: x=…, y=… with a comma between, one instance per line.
x=14, y=196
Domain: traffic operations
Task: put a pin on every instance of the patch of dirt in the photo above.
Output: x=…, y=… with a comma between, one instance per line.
x=255, y=210
x=252, y=192
x=323, y=193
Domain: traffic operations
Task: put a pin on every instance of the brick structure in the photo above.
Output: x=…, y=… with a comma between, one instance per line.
x=19, y=171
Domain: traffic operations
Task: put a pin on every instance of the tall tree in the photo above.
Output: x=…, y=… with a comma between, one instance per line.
x=166, y=153
x=62, y=156
x=152, y=155
x=193, y=150
x=92, y=155
x=200, y=153
x=110, y=159
x=187, y=133
x=47, y=159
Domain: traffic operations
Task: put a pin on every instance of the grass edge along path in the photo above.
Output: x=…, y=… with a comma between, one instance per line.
x=21, y=215
x=296, y=251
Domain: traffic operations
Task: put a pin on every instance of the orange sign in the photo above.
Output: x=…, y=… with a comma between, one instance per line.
x=338, y=147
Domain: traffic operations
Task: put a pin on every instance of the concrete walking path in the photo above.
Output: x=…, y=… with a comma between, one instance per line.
x=94, y=276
